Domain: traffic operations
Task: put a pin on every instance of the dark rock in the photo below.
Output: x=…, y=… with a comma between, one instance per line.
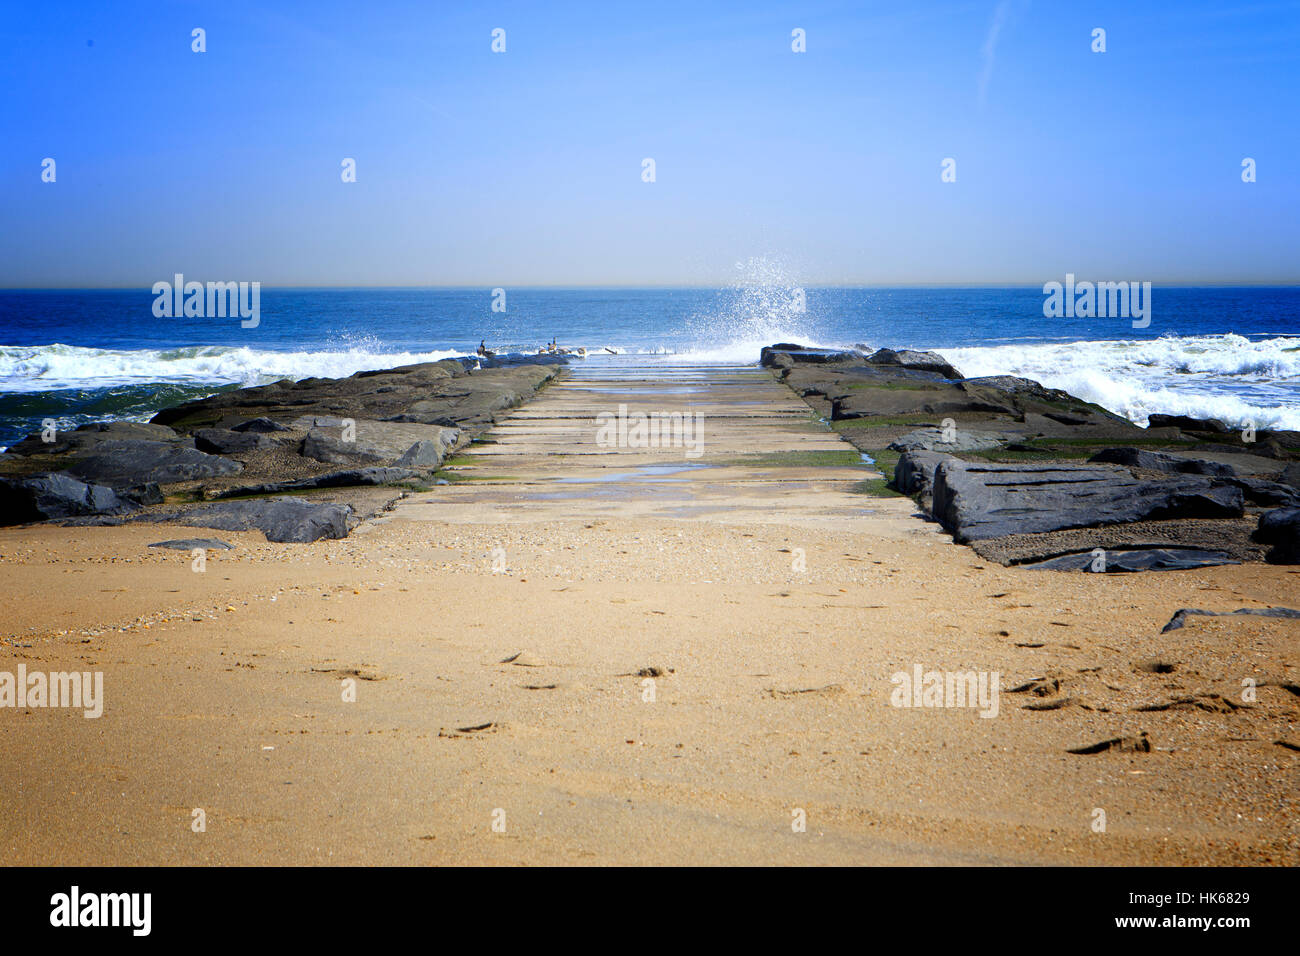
x=977, y=501
x=1136, y=745
x=1287, y=443
x=869, y=391
x=1271, y=494
x=1061, y=419
x=914, y=472
x=1159, y=461
x=890, y=397
x=189, y=544
x=133, y=462
x=786, y=355
x=423, y=454
x=222, y=441
x=1230, y=536
x=1176, y=509
x=917, y=361
x=335, y=479
x=263, y=426
x=88, y=436
x=1184, y=423
x=41, y=497
x=511, y=359
x=146, y=494
x=1138, y=559
x=289, y=520
x=331, y=449
x=1024, y=387
x=375, y=442
x=963, y=439
x=1291, y=475
x=308, y=422
x=1281, y=528
x=1259, y=449
x=1180, y=617
x=429, y=392
x=352, y=478
x=777, y=360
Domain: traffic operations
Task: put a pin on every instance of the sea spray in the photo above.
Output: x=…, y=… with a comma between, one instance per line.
x=767, y=303
x=1228, y=377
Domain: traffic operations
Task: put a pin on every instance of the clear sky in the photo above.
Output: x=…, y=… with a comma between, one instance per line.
x=525, y=167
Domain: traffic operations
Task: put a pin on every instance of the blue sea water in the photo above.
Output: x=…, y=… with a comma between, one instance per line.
x=78, y=356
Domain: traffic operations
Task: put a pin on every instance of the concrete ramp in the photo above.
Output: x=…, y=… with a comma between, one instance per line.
x=633, y=439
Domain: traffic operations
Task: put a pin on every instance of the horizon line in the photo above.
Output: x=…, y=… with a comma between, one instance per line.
x=633, y=287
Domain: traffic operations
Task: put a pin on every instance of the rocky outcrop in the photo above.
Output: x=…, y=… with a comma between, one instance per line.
x=424, y=455
x=192, y=544
x=977, y=501
x=1136, y=559
x=1271, y=494
x=1159, y=461
x=886, y=395
x=291, y=520
x=133, y=461
x=1180, y=617
x=225, y=441
x=914, y=472
x=335, y=479
x=382, y=426
x=365, y=441
x=949, y=441
x=915, y=361
x=1187, y=424
x=1281, y=529
x=1033, y=476
x=786, y=355
x=449, y=392
x=87, y=437
x=262, y=425
x=1004, y=405
x=44, y=497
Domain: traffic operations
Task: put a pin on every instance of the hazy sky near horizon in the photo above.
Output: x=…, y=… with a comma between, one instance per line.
x=525, y=167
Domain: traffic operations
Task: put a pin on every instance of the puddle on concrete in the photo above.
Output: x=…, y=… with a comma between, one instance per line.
x=672, y=469
x=648, y=390
x=571, y=495
x=646, y=474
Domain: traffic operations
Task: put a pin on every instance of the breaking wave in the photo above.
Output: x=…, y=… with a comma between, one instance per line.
x=50, y=367
x=1228, y=377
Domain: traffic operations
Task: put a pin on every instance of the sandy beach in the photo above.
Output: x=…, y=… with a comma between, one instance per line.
x=573, y=654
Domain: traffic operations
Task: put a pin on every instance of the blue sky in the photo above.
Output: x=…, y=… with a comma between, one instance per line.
x=524, y=168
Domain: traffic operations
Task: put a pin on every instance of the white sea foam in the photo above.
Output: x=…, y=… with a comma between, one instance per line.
x=48, y=367
x=1228, y=377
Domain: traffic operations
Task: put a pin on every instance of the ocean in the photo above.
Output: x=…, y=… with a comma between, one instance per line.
x=78, y=356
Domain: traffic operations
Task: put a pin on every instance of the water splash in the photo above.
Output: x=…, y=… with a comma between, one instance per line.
x=766, y=303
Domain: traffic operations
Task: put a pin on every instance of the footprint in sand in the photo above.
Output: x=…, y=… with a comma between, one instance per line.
x=830, y=690
x=349, y=672
x=1056, y=704
x=472, y=730
x=1139, y=744
x=522, y=659
x=1038, y=686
